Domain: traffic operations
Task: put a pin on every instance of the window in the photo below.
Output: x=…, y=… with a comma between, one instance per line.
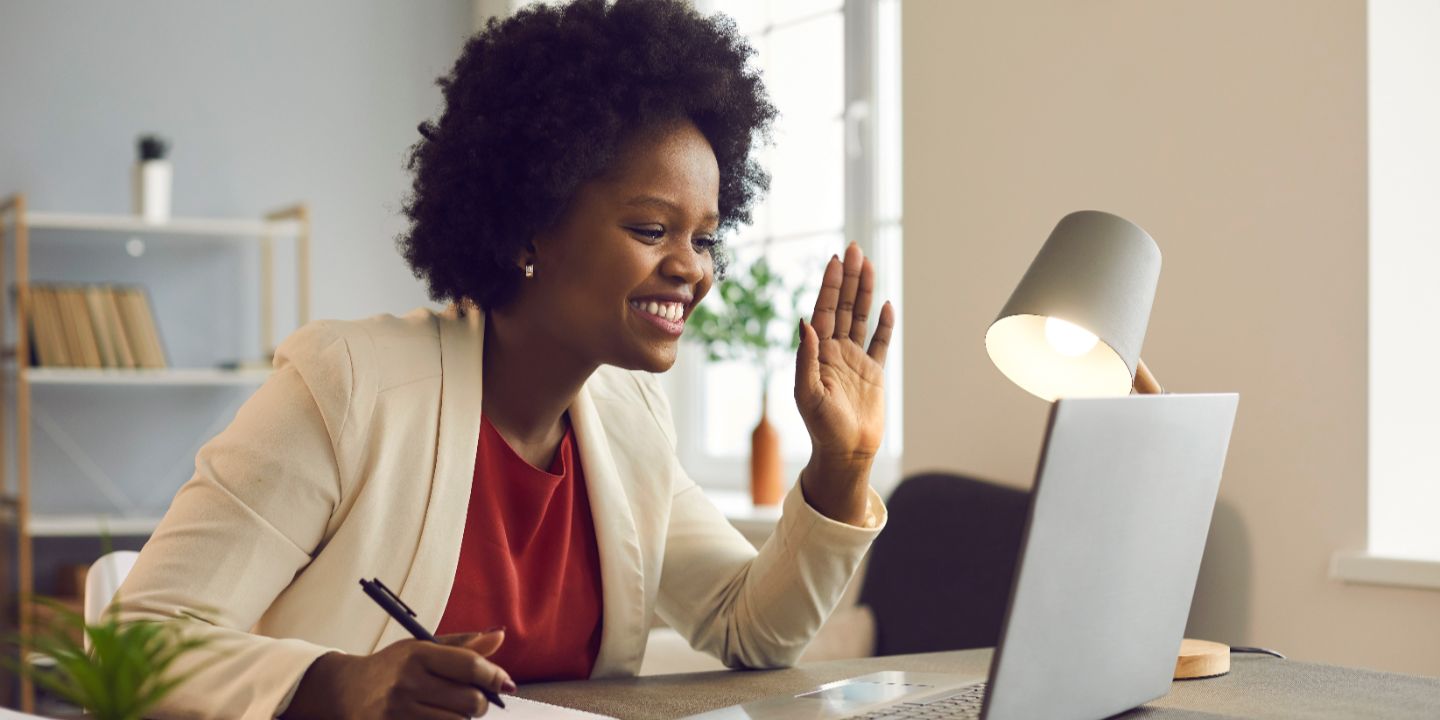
x=1403, y=546
x=832, y=70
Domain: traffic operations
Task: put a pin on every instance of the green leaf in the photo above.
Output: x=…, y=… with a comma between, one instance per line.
x=746, y=317
x=126, y=672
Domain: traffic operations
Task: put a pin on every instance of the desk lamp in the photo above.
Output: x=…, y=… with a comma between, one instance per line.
x=1074, y=327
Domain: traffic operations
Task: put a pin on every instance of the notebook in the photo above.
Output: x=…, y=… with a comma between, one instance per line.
x=518, y=708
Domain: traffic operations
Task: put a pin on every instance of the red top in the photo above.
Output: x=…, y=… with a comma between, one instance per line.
x=529, y=562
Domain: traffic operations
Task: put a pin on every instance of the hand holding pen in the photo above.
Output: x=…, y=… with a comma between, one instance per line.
x=402, y=613
x=448, y=678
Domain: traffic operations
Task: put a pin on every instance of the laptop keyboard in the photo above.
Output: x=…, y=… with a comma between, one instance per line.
x=964, y=704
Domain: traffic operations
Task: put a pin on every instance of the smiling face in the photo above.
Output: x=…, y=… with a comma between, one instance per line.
x=619, y=273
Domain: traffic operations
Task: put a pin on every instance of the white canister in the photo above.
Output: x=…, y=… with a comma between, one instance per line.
x=152, y=190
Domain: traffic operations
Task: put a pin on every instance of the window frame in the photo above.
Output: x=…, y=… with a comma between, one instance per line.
x=1401, y=547
x=727, y=476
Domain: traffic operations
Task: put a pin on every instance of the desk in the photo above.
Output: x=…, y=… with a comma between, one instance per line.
x=1257, y=687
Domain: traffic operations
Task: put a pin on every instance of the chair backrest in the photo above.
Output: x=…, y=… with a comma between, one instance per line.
x=103, y=581
x=939, y=576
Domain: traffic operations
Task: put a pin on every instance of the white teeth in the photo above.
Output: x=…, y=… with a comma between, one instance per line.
x=670, y=311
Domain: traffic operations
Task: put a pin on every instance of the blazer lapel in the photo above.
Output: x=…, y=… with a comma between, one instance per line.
x=427, y=588
x=623, y=623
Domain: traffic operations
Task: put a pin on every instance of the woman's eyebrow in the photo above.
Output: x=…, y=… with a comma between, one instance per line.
x=663, y=204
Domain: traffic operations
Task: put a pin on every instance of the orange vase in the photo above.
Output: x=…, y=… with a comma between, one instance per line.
x=767, y=485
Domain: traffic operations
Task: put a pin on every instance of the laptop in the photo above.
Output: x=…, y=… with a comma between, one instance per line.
x=1112, y=546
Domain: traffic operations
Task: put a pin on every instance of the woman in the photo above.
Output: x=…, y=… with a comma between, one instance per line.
x=515, y=465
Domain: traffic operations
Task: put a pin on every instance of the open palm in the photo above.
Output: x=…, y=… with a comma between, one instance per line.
x=839, y=383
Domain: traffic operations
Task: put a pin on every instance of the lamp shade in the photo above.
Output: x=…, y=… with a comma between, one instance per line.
x=1075, y=323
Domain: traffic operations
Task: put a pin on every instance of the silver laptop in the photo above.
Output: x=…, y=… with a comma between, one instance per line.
x=1118, y=519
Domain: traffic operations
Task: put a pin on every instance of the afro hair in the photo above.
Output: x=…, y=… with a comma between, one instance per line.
x=540, y=102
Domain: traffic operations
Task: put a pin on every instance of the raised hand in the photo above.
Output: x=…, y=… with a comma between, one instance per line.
x=840, y=387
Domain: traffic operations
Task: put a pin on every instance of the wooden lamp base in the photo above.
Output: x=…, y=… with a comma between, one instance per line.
x=1201, y=659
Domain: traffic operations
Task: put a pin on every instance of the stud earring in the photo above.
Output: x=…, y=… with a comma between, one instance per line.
x=529, y=270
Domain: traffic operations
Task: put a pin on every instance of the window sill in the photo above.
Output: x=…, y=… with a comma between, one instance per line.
x=755, y=522
x=1361, y=567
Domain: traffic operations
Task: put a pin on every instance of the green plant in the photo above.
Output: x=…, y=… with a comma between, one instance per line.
x=127, y=670
x=751, y=321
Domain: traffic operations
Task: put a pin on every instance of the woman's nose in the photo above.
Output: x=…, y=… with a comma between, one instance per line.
x=683, y=263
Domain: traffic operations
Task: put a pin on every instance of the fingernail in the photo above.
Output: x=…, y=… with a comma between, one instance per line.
x=834, y=257
x=497, y=628
x=508, y=686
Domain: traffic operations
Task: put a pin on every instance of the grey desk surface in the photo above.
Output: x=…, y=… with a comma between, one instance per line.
x=1257, y=687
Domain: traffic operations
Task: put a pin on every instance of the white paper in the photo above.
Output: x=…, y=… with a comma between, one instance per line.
x=12, y=715
x=522, y=709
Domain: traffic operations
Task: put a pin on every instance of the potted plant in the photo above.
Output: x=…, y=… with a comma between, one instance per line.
x=749, y=325
x=124, y=674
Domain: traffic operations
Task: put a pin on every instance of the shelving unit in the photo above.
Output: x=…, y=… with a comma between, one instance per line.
x=176, y=376
x=16, y=222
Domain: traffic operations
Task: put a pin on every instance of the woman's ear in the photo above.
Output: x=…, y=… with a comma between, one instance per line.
x=525, y=259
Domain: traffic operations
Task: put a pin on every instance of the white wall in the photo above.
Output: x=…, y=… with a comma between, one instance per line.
x=1233, y=131
x=266, y=103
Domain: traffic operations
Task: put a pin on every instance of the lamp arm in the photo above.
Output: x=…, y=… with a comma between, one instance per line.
x=1145, y=383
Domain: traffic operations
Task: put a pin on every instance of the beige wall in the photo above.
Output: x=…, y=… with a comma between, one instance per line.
x=1234, y=131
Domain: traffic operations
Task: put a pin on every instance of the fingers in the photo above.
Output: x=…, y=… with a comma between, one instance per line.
x=823, y=319
x=427, y=712
x=849, y=286
x=485, y=643
x=463, y=666
x=880, y=344
x=862, y=303
x=807, y=363
x=452, y=699
x=843, y=308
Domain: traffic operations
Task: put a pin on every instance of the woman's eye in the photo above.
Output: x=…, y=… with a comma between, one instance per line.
x=650, y=234
x=704, y=242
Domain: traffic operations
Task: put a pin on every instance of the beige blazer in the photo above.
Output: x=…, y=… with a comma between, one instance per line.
x=354, y=459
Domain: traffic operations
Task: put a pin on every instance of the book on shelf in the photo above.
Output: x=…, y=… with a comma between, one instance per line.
x=124, y=354
x=44, y=318
x=92, y=326
x=70, y=328
x=84, y=327
x=104, y=342
x=139, y=322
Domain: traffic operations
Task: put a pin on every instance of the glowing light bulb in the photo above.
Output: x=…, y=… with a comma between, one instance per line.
x=1067, y=338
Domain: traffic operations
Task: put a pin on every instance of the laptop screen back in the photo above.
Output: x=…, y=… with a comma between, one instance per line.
x=1117, y=527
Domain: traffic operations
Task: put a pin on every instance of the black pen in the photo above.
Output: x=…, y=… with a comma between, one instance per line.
x=402, y=613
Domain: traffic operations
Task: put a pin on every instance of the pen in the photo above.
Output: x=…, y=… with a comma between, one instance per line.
x=392, y=604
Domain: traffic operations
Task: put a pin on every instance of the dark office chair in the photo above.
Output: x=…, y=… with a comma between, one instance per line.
x=939, y=576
